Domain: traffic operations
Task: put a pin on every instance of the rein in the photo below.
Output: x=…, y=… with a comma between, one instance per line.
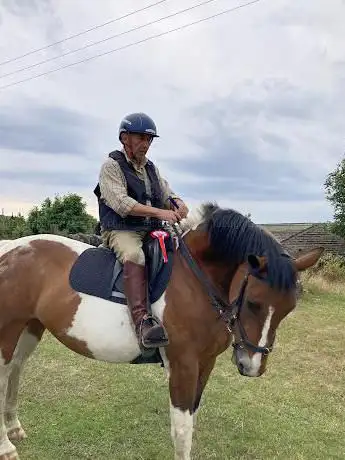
x=229, y=312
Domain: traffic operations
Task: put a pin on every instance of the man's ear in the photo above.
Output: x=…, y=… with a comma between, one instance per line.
x=124, y=138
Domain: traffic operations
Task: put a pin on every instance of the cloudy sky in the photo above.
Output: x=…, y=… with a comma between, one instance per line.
x=250, y=105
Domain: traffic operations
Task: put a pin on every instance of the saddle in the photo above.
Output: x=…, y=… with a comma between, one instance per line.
x=99, y=273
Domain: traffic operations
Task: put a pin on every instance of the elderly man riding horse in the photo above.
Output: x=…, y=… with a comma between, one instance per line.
x=133, y=199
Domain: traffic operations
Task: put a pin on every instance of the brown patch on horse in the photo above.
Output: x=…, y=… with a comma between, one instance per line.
x=16, y=305
x=9, y=338
x=58, y=302
x=51, y=304
x=196, y=335
x=36, y=328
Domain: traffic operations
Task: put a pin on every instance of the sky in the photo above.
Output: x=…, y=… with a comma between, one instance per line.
x=249, y=105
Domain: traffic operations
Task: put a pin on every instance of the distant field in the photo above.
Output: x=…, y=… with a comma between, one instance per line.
x=75, y=408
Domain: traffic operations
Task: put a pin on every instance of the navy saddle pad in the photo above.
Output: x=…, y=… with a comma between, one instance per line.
x=97, y=271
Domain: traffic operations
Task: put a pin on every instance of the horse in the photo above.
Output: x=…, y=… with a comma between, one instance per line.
x=230, y=283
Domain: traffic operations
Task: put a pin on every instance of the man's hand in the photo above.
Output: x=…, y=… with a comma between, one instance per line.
x=182, y=208
x=170, y=216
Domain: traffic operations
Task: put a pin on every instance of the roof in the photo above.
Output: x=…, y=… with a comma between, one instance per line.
x=303, y=237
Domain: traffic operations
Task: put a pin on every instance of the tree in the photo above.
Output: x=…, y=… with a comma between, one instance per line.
x=63, y=215
x=335, y=194
x=12, y=227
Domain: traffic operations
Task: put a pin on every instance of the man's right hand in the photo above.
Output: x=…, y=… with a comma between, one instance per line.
x=170, y=216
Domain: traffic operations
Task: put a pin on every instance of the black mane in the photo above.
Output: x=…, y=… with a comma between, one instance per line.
x=234, y=237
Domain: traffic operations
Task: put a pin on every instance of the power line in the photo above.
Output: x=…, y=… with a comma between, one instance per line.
x=83, y=32
x=31, y=66
x=229, y=10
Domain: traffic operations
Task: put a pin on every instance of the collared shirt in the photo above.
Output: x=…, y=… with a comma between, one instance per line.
x=113, y=186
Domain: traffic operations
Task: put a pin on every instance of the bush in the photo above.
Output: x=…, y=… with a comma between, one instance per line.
x=330, y=266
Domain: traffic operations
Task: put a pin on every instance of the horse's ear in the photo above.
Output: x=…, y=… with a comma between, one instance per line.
x=309, y=259
x=257, y=263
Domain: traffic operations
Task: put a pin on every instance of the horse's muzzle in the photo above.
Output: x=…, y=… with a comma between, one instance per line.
x=248, y=366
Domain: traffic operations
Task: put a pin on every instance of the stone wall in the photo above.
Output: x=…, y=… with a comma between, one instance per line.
x=94, y=240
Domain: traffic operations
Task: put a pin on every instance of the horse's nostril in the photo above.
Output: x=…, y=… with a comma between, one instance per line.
x=240, y=367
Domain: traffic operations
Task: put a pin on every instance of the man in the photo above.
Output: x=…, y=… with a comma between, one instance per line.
x=133, y=199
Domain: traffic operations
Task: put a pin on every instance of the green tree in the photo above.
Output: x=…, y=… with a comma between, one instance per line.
x=12, y=227
x=63, y=215
x=335, y=194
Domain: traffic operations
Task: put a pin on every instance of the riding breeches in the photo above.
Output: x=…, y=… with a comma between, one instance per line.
x=128, y=245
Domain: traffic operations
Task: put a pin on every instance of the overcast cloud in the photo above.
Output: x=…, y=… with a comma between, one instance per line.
x=249, y=105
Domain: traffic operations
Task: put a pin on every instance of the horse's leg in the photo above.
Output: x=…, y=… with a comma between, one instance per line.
x=7, y=449
x=27, y=343
x=9, y=336
x=183, y=384
x=205, y=370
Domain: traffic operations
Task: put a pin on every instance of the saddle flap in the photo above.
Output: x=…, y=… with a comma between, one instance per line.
x=93, y=272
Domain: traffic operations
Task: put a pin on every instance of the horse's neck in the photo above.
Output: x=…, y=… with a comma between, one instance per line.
x=216, y=334
x=219, y=273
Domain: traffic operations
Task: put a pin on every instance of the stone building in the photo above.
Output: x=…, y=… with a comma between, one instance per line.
x=299, y=238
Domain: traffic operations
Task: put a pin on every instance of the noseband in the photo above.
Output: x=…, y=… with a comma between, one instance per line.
x=229, y=312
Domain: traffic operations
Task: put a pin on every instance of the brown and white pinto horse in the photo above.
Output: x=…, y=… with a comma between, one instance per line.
x=231, y=282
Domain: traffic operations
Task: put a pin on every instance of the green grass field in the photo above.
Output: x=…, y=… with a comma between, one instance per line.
x=75, y=408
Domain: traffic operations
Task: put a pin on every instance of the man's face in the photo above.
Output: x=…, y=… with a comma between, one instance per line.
x=137, y=145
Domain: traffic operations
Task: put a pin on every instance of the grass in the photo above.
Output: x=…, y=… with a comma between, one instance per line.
x=75, y=408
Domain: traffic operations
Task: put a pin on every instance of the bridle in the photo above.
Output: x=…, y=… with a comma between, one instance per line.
x=234, y=320
x=229, y=312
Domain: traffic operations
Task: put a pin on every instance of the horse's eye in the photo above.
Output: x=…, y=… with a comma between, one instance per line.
x=253, y=306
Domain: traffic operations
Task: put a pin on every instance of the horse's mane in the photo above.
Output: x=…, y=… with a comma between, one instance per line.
x=233, y=237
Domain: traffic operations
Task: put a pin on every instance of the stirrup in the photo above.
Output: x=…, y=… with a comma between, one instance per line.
x=154, y=322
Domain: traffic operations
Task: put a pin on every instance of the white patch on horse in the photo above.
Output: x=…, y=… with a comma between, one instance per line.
x=158, y=310
x=257, y=357
x=3, y=242
x=75, y=245
x=181, y=432
x=194, y=219
x=25, y=241
x=158, y=307
x=107, y=329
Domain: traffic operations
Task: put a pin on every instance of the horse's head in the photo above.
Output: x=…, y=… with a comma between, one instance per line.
x=260, y=307
x=248, y=265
